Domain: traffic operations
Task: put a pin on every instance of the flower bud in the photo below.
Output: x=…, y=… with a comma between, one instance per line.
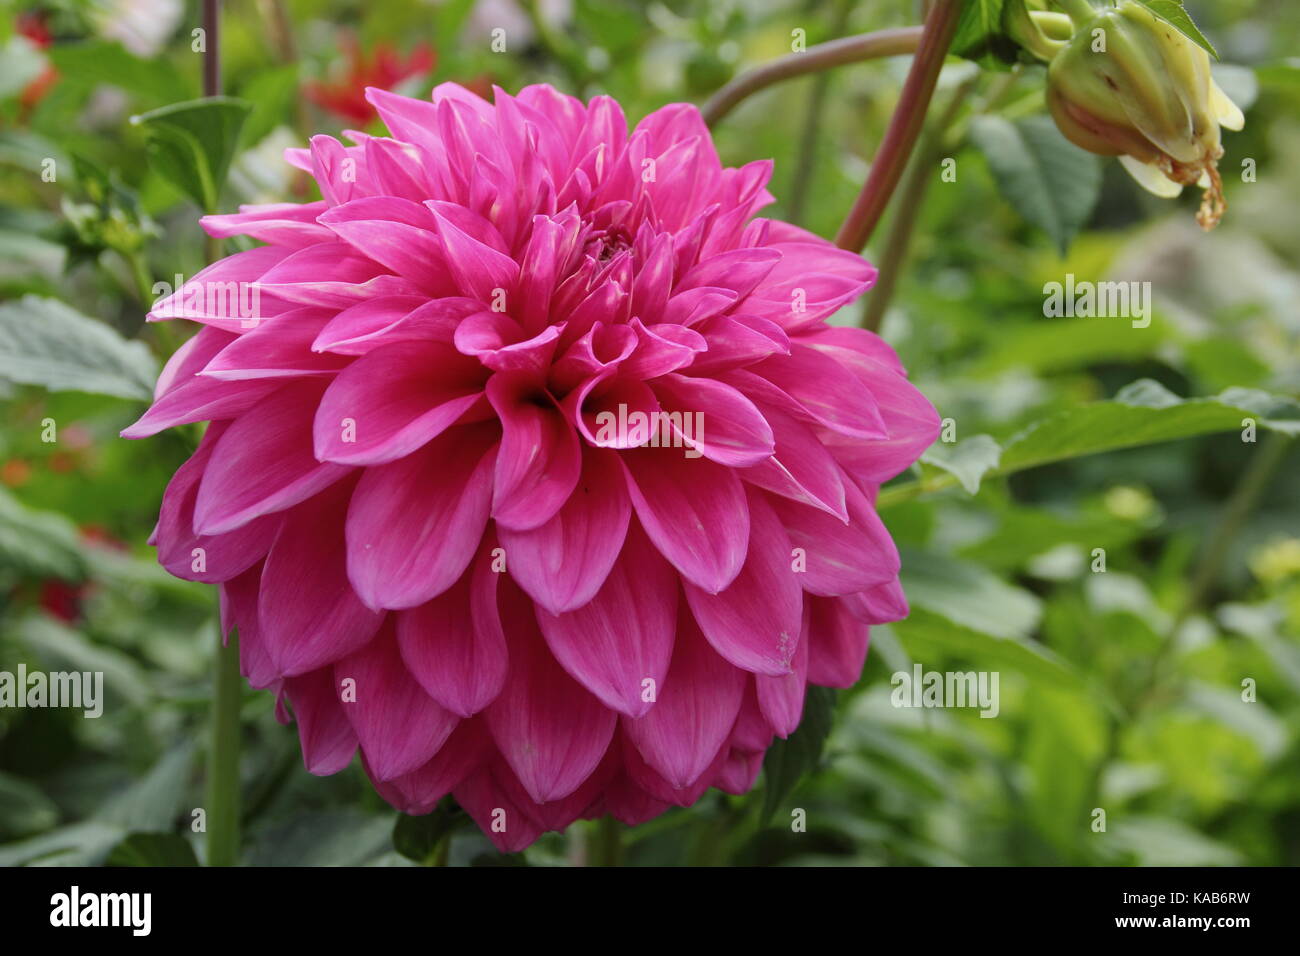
x=1129, y=84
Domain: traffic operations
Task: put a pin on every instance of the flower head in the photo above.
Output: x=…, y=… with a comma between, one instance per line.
x=1132, y=85
x=535, y=470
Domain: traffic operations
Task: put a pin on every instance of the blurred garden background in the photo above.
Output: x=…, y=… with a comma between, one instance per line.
x=1163, y=690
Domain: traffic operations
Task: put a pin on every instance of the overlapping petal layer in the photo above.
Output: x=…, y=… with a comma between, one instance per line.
x=536, y=472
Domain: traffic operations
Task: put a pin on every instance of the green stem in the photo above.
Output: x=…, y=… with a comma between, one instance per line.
x=815, y=59
x=441, y=854
x=223, y=756
x=1080, y=11
x=908, y=209
x=905, y=126
x=1245, y=497
x=223, y=751
x=816, y=108
x=607, y=845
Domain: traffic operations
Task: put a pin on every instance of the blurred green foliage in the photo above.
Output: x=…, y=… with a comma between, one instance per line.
x=1121, y=690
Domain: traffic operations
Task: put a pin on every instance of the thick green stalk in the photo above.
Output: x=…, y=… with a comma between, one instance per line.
x=223, y=756
x=607, y=843
x=227, y=692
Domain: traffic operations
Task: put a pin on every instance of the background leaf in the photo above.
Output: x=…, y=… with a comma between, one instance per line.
x=1173, y=12
x=1050, y=181
x=194, y=142
x=44, y=342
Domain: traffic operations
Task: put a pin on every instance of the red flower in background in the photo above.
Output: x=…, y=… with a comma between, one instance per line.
x=34, y=28
x=385, y=68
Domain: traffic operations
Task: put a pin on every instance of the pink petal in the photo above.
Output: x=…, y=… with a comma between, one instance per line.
x=439, y=497
x=838, y=648
x=563, y=562
x=620, y=657
x=841, y=557
x=455, y=645
x=724, y=425
x=550, y=730
x=781, y=698
x=680, y=736
x=693, y=510
x=400, y=727
x=500, y=818
x=801, y=469
x=328, y=741
x=540, y=458
x=309, y=614
x=196, y=557
x=755, y=622
x=263, y=462
x=391, y=401
x=418, y=792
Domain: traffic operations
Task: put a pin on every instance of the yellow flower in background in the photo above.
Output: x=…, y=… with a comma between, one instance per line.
x=1276, y=561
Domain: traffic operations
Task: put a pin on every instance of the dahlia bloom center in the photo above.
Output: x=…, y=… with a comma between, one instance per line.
x=435, y=549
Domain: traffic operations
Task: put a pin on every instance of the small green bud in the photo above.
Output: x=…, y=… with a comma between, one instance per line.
x=1131, y=85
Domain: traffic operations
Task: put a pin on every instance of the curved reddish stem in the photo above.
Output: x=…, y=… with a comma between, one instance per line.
x=905, y=126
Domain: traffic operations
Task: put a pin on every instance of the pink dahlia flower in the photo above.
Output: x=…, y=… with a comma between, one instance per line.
x=425, y=496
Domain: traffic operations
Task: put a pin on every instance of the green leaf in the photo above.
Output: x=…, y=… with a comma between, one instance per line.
x=44, y=342
x=788, y=760
x=1171, y=11
x=38, y=544
x=980, y=37
x=24, y=808
x=1063, y=743
x=418, y=838
x=96, y=62
x=153, y=802
x=79, y=844
x=927, y=636
x=62, y=648
x=1050, y=181
x=967, y=594
x=967, y=461
x=325, y=838
x=193, y=143
x=272, y=94
x=1143, y=413
x=153, y=849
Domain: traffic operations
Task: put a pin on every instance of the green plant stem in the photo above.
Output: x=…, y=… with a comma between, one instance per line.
x=223, y=756
x=905, y=126
x=815, y=59
x=223, y=750
x=813, y=113
x=607, y=843
x=441, y=855
x=908, y=208
x=1254, y=482
x=1080, y=11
